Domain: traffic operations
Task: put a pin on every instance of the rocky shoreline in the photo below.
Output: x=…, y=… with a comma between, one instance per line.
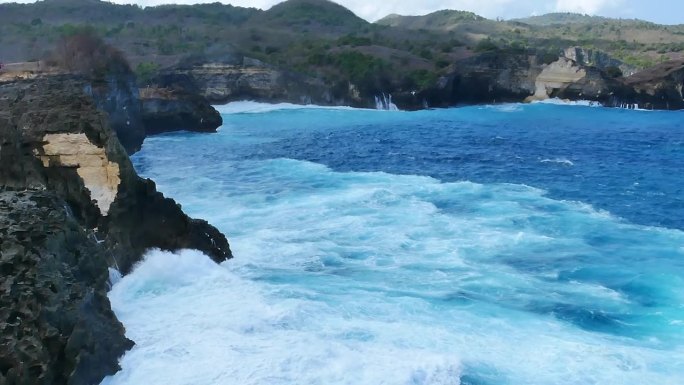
x=503, y=77
x=72, y=206
x=487, y=78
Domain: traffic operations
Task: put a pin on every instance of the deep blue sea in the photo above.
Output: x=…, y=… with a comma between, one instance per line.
x=496, y=245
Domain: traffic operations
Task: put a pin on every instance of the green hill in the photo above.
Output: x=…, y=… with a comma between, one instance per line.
x=637, y=42
x=323, y=39
x=444, y=19
x=561, y=18
x=320, y=14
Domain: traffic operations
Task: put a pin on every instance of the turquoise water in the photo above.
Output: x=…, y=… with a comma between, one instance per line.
x=516, y=244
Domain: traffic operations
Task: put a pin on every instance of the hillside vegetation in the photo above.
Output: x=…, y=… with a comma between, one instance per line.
x=323, y=39
x=636, y=42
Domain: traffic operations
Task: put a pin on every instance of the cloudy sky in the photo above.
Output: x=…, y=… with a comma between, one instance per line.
x=661, y=11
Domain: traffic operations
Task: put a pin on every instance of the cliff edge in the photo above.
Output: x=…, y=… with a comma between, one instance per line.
x=72, y=205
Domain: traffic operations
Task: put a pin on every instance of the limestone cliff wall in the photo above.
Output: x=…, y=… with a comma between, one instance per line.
x=250, y=79
x=498, y=77
x=567, y=79
x=598, y=59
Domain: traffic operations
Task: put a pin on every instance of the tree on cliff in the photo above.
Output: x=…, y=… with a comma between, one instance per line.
x=87, y=54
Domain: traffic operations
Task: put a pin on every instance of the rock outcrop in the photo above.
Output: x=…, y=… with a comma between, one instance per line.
x=118, y=96
x=42, y=122
x=168, y=103
x=493, y=77
x=172, y=102
x=56, y=322
x=598, y=59
x=567, y=79
x=659, y=87
x=500, y=76
x=84, y=209
x=243, y=78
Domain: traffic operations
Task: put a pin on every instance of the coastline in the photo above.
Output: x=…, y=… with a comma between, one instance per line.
x=73, y=207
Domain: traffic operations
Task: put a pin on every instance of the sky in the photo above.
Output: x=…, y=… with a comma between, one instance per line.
x=660, y=11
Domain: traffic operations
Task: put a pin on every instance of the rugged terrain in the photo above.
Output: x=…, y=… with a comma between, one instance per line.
x=317, y=51
x=71, y=206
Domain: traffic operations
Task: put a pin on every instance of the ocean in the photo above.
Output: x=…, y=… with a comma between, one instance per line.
x=490, y=245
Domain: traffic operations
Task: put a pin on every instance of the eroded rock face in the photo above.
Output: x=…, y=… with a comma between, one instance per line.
x=73, y=206
x=659, y=87
x=172, y=102
x=598, y=59
x=249, y=79
x=498, y=77
x=34, y=113
x=100, y=176
x=557, y=76
x=494, y=77
x=118, y=96
x=56, y=323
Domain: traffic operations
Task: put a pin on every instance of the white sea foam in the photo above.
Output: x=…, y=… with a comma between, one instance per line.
x=563, y=102
x=251, y=107
x=384, y=103
x=114, y=276
x=507, y=107
x=195, y=322
x=373, y=278
x=561, y=161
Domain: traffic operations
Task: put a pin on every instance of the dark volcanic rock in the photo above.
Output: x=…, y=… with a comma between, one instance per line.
x=498, y=77
x=659, y=87
x=84, y=209
x=118, y=96
x=56, y=323
x=172, y=102
x=493, y=77
x=53, y=137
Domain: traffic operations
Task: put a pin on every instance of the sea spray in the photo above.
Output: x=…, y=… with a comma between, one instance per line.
x=195, y=322
x=384, y=102
x=350, y=270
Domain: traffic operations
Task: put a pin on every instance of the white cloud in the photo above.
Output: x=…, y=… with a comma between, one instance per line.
x=585, y=6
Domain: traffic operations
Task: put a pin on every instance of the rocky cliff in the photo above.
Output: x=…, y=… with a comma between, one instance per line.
x=497, y=77
x=659, y=87
x=243, y=78
x=568, y=79
x=493, y=77
x=118, y=96
x=72, y=206
x=172, y=102
x=167, y=104
x=164, y=104
x=56, y=323
x=598, y=59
